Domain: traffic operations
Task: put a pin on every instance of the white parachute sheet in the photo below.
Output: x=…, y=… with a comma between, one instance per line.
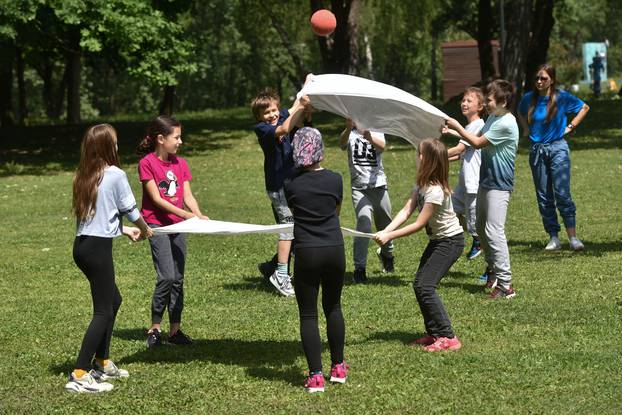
x=375, y=106
x=216, y=227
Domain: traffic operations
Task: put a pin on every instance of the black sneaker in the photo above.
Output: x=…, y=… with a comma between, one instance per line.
x=267, y=268
x=360, y=276
x=179, y=338
x=387, y=261
x=154, y=338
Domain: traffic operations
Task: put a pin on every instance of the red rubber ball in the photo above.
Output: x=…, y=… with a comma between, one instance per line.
x=323, y=22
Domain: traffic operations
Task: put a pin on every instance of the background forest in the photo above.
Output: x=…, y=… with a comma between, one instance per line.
x=69, y=60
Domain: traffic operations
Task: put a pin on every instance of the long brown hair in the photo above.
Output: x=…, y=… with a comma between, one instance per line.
x=434, y=167
x=98, y=150
x=162, y=125
x=551, y=106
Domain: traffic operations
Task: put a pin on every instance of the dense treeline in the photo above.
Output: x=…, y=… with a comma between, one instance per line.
x=63, y=60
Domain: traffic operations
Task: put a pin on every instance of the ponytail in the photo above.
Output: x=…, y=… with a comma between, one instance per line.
x=162, y=125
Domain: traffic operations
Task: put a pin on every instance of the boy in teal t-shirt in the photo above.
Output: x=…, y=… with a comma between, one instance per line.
x=498, y=140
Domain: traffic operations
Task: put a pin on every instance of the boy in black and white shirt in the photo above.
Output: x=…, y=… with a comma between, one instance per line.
x=369, y=193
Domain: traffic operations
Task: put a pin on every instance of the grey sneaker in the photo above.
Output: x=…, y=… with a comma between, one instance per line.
x=283, y=284
x=553, y=245
x=110, y=371
x=576, y=244
x=86, y=384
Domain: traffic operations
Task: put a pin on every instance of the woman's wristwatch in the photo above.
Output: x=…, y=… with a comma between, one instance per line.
x=570, y=126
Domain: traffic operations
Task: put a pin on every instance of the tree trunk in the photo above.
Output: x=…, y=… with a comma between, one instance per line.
x=7, y=53
x=433, y=68
x=168, y=100
x=517, y=42
x=369, y=57
x=543, y=22
x=22, y=111
x=74, y=57
x=46, y=72
x=59, y=98
x=340, y=51
x=484, y=37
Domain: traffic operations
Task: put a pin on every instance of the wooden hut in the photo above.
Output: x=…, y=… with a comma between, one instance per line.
x=461, y=65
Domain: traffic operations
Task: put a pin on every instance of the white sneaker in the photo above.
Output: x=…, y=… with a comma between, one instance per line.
x=110, y=371
x=553, y=245
x=86, y=384
x=576, y=244
x=283, y=284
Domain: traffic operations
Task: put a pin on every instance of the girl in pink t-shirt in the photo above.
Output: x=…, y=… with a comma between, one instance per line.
x=166, y=194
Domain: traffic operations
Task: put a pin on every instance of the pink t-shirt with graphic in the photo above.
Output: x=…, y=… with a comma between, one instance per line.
x=169, y=177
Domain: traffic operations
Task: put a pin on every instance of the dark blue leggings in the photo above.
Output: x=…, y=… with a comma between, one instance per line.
x=93, y=255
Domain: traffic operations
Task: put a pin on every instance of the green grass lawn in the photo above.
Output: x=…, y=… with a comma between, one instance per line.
x=555, y=348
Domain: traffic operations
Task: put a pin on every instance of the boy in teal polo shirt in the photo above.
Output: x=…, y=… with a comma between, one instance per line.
x=498, y=140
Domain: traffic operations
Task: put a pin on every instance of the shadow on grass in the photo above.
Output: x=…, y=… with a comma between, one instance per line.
x=263, y=359
x=391, y=280
x=63, y=368
x=470, y=287
x=592, y=249
x=396, y=335
x=252, y=283
x=130, y=334
x=458, y=274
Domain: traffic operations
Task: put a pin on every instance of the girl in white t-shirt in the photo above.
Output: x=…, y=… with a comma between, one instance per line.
x=432, y=196
x=465, y=193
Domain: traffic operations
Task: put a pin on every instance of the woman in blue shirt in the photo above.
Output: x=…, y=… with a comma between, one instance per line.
x=543, y=116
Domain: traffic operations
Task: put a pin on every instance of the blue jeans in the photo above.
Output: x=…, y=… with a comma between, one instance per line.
x=550, y=167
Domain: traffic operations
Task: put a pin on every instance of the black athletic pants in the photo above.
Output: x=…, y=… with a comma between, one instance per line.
x=436, y=260
x=315, y=267
x=93, y=255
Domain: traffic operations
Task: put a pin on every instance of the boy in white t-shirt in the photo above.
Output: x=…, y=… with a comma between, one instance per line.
x=465, y=193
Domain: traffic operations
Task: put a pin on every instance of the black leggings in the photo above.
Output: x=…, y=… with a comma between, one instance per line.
x=93, y=255
x=313, y=267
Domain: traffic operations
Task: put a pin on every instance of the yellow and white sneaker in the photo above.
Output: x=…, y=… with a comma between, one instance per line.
x=86, y=384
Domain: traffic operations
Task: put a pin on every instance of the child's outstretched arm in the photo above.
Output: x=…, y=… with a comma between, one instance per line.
x=449, y=131
x=296, y=115
x=477, y=141
x=424, y=216
x=454, y=152
x=191, y=203
x=376, y=140
x=345, y=134
x=136, y=234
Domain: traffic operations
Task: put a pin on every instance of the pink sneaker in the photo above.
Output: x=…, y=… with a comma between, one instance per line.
x=315, y=383
x=444, y=343
x=339, y=372
x=422, y=341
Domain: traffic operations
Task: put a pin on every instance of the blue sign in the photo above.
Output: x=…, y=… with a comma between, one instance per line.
x=594, y=61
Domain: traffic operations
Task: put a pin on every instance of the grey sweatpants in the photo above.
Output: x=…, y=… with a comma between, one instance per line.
x=492, y=208
x=465, y=204
x=368, y=202
x=169, y=259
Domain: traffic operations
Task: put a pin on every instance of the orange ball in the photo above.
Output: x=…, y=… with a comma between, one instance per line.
x=323, y=22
